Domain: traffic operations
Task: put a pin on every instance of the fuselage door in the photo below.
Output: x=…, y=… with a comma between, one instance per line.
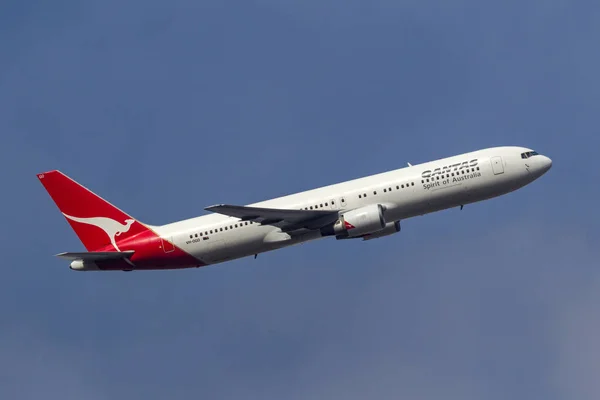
x=332, y=204
x=497, y=166
x=167, y=244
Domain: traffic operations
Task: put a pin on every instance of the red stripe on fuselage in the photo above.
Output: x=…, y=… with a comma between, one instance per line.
x=149, y=254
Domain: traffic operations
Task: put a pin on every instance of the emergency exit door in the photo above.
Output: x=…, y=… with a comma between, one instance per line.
x=497, y=166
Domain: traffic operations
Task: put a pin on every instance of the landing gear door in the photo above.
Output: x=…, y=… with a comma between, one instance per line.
x=497, y=166
x=215, y=250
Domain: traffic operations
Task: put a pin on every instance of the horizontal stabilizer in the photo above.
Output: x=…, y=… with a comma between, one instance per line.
x=97, y=255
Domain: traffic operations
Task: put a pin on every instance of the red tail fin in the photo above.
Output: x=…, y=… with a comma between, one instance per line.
x=97, y=223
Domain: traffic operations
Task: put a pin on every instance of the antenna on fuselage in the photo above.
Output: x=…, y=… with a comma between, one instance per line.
x=409, y=164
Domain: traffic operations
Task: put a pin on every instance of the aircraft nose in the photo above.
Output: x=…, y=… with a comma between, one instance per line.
x=546, y=163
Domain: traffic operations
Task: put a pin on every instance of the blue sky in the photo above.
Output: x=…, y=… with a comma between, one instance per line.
x=164, y=108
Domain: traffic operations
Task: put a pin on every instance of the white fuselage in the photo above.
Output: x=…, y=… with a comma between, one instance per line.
x=405, y=193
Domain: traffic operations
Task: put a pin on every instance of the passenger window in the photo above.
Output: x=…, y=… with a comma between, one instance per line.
x=384, y=190
x=191, y=236
x=398, y=187
x=374, y=192
x=326, y=204
x=360, y=196
x=221, y=229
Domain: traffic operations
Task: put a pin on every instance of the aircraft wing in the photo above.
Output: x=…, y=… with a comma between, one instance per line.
x=97, y=255
x=286, y=219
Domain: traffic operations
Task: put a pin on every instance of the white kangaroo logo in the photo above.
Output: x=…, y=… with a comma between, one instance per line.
x=111, y=227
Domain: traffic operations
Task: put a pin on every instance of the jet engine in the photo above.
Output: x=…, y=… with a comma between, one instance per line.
x=390, y=229
x=358, y=222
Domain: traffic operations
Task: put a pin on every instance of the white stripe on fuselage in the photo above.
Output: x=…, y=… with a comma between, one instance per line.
x=401, y=204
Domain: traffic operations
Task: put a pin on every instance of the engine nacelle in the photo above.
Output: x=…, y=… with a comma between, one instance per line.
x=356, y=223
x=390, y=229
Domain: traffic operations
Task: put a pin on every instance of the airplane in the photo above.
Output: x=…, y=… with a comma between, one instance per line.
x=365, y=209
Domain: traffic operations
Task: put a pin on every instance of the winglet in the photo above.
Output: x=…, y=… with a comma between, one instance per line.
x=210, y=208
x=218, y=208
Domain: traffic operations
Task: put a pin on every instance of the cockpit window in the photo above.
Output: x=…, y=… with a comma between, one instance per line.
x=529, y=154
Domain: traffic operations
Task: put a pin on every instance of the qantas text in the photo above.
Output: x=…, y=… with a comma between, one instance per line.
x=450, y=174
